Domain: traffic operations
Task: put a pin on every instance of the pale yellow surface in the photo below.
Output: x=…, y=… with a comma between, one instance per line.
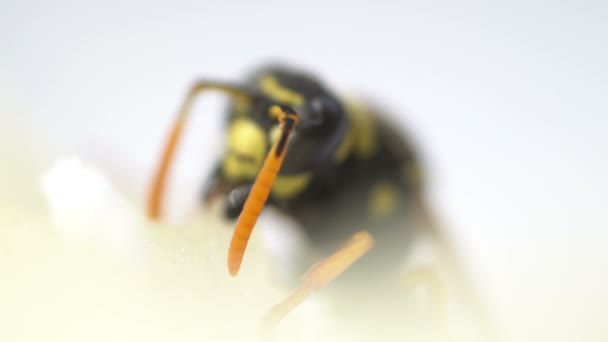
x=74, y=277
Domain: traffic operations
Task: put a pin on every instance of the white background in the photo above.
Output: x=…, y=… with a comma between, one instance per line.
x=506, y=100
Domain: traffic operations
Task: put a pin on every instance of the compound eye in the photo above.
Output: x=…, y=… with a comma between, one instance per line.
x=322, y=111
x=325, y=105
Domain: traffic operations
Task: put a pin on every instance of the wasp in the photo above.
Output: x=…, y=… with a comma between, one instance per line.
x=349, y=179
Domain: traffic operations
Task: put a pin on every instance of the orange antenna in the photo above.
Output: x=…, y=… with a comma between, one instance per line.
x=261, y=187
x=157, y=190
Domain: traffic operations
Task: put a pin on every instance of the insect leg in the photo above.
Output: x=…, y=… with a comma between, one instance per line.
x=157, y=189
x=261, y=187
x=461, y=284
x=428, y=277
x=320, y=275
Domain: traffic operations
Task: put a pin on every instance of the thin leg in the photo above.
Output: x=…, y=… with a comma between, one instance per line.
x=261, y=188
x=157, y=190
x=428, y=277
x=459, y=277
x=320, y=275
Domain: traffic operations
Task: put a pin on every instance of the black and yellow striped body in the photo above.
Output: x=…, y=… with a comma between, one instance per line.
x=374, y=193
x=346, y=169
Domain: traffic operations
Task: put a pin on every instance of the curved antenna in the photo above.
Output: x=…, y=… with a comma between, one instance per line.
x=261, y=187
x=157, y=190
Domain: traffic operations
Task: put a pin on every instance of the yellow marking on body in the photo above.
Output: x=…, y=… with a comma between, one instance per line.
x=346, y=146
x=271, y=87
x=245, y=139
x=361, y=137
x=365, y=138
x=383, y=200
x=288, y=186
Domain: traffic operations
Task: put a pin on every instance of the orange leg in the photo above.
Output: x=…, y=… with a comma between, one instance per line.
x=261, y=188
x=320, y=275
x=157, y=189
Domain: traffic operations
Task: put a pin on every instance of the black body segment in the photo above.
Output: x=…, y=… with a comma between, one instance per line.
x=347, y=168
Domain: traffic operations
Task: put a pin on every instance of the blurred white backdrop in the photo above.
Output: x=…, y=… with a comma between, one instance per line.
x=507, y=101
